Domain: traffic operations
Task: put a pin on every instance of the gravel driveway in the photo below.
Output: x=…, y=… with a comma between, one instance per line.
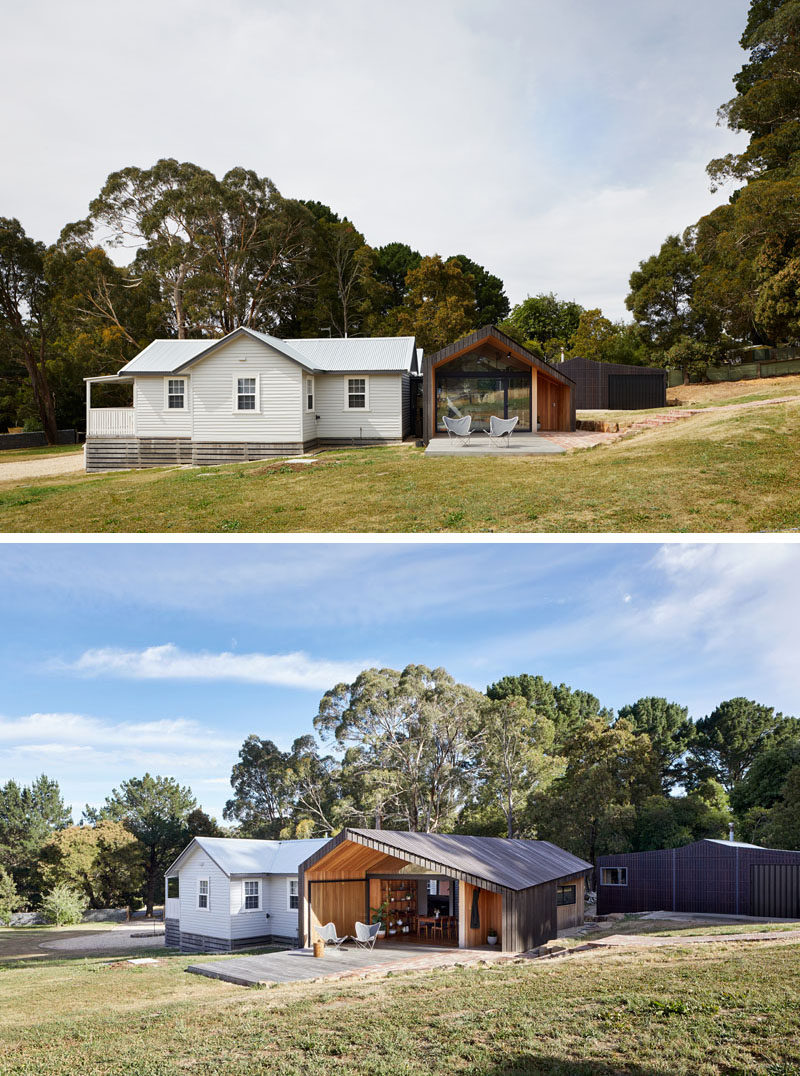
x=127, y=937
x=13, y=470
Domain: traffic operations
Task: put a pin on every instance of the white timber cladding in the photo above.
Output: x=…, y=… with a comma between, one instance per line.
x=308, y=417
x=277, y=414
x=273, y=901
x=153, y=418
x=382, y=417
x=215, y=921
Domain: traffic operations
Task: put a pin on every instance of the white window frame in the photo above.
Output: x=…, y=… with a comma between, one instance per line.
x=207, y=895
x=257, y=883
x=237, y=377
x=347, y=380
x=306, y=382
x=289, y=894
x=185, y=382
x=622, y=874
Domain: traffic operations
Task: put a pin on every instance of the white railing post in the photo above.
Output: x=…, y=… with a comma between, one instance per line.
x=110, y=422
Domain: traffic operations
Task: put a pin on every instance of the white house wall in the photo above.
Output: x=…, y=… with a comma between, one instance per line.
x=277, y=416
x=216, y=921
x=151, y=416
x=283, y=919
x=248, y=923
x=383, y=418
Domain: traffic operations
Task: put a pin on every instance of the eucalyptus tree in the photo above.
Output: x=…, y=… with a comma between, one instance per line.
x=26, y=319
x=410, y=738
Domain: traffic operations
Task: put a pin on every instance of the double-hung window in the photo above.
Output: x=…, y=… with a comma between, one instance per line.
x=246, y=393
x=615, y=876
x=309, y=394
x=356, y=393
x=202, y=894
x=251, y=896
x=176, y=394
x=294, y=894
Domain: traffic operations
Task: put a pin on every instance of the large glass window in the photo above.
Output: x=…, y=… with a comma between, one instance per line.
x=615, y=876
x=482, y=397
x=173, y=888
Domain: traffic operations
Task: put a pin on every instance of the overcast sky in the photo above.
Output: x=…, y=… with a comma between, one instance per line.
x=119, y=659
x=555, y=143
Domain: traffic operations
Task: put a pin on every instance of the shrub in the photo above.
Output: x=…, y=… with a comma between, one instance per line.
x=10, y=900
x=63, y=906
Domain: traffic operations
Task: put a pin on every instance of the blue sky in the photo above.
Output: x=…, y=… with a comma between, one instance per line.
x=120, y=658
x=557, y=144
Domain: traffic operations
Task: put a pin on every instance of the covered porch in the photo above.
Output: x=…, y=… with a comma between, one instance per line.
x=488, y=374
x=110, y=421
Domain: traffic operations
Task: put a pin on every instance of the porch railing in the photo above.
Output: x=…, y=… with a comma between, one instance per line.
x=110, y=422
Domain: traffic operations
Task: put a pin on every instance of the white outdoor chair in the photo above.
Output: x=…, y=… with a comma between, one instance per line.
x=330, y=937
x=500, y=428
x=460, y=428
x=365, y=936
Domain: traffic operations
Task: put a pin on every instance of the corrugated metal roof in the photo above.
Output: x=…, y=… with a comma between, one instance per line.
x=339, y=355
x=730, y=844
x=165, y=356
x=236, y=855
x=367, y=354
x=511, y=863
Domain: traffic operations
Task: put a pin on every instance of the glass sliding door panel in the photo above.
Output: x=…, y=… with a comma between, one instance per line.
x=519, y=402
x=480, y=397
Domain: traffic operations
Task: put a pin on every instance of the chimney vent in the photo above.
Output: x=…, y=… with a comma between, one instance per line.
x=730, y=831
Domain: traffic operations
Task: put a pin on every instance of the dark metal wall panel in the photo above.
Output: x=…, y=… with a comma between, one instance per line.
x=600, y=386
x=775, y=890
x=635, y=392
x=706, y=876
x=533, y=917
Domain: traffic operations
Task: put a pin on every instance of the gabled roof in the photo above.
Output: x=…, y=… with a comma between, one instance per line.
x=508, y=863
x=366, y=354
x=369, y=353
x=234, y=855
x=466, y=343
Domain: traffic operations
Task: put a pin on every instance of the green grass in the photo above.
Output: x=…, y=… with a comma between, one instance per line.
x=717, y=472
x=19, y=454
x=669, y=928
x=716, y=1011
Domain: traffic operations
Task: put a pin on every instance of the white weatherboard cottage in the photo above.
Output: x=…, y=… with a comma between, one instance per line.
x=222, y=893
x=251, y=396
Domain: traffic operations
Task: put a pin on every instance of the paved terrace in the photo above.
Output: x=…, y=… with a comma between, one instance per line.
x=521, y=444
x=297, y=965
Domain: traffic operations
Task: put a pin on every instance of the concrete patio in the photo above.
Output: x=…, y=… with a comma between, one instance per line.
x=297, y=965
x=521, y=444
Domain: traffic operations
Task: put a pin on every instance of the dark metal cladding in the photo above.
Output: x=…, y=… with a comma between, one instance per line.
x=601, y=386
x=726, y=877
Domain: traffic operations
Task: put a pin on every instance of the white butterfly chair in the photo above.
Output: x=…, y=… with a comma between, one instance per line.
x=365, y=936
x=330, y=937
x=500, y=428
x=460, y=428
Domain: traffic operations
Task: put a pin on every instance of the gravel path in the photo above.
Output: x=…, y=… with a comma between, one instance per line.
x=126, y=937
x=46, y=465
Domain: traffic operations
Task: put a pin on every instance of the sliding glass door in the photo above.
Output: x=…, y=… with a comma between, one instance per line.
x=480, y=396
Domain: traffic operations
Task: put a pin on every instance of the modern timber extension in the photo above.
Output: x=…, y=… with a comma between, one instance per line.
x=487, y=373
x=524, y=890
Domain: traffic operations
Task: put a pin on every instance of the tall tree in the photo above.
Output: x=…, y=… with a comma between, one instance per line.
x=782, y=823
x=567, y=708
x=671, y=821
x=26, y=317
x=515, y=758
x=29, y=815
x=763, y=783
x=544, y=323
x=733, y=735
x=671, y=732
x=439, y=306
x=411, y=736
x=263, y=799
x=591, y=809
x=491, y=302
x=102, y=861
x=394, y=262
x=155, y=811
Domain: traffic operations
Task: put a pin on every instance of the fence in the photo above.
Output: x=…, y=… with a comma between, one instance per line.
x=35, y=439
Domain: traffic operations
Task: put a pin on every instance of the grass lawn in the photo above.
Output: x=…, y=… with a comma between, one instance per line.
x=19, y=454
x=720, y=1009
x=671, y=928
x=728, y=392
x=716, y=472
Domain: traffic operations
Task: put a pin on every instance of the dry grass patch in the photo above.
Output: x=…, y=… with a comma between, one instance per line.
x=724, y=1010
x=730, y=392
x=716, y=472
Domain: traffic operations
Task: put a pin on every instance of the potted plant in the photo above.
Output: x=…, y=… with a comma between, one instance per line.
x=379, y=916
x=491, y=937
x=538, y=423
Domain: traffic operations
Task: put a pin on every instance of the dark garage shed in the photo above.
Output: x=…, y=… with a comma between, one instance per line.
x=726, y=877
x=614, y=386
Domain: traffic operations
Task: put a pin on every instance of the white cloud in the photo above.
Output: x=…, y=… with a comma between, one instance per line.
x=169, y=662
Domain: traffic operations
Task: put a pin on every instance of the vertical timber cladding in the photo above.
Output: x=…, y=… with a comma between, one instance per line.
x=775, y=890
x=490, y=914
x=341, y=902
x=529, y=917
x=553, y=404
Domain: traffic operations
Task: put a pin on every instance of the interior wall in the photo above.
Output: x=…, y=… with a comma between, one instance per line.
x=490, y=912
